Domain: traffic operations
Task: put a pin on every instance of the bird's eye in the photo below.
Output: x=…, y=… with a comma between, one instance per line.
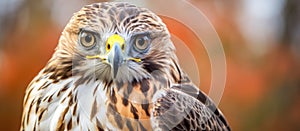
x=141, y=43
x=87, y=39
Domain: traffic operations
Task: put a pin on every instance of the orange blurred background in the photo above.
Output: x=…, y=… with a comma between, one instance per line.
x=260, y=40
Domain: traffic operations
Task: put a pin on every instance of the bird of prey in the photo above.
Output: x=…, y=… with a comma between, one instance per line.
x=115, y=68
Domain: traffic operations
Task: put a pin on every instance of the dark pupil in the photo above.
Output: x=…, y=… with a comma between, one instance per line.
x=88, y=38
x=141, y=41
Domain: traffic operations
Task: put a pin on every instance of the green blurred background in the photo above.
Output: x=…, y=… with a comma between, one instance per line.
x=261, y=40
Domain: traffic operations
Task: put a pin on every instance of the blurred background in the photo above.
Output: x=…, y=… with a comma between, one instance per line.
x=260, y=39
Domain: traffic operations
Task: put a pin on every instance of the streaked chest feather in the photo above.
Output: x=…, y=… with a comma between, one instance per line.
x=130, y=104
x=93, y=105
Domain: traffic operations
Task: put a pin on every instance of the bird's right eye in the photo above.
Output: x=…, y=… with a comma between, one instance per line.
x=87, y=39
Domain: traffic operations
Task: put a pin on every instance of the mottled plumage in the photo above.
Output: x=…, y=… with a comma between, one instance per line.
x=115, y=68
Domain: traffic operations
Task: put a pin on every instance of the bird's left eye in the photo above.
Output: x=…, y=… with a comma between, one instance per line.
x=87, y=39
x=141, y=43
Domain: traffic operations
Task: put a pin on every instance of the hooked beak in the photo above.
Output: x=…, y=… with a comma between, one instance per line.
x=115, y=58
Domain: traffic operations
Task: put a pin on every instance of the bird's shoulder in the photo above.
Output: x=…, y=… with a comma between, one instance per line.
x=185, y=107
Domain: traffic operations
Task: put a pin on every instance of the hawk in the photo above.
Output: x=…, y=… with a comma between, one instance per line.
x=115, y=68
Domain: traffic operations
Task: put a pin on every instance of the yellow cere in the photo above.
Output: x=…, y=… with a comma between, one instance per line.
x=114, y=39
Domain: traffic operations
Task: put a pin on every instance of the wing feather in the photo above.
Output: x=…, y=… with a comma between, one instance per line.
x=185, y=107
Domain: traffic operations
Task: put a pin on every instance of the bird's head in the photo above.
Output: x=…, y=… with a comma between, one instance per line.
x=115, y=41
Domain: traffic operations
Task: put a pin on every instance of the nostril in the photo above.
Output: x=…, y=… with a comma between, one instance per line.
x=108, y=46
x=123, y=47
